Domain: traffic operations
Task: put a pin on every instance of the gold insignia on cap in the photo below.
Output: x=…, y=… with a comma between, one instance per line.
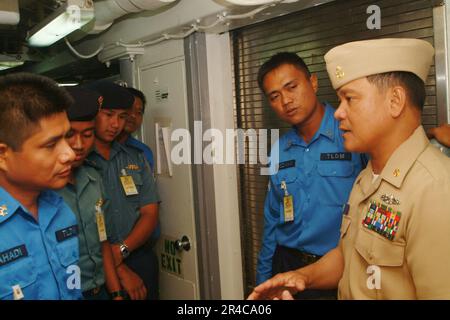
x=3, y=210
x=396, y=172
x=100, y=101
x=390, y=199
x=339, y=72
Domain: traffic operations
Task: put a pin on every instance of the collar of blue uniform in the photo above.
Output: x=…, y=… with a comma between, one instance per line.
x=401, y=160
x=50, y=197
x=83, y=178
x=84, y=171
x=327, y=129
x=131, y=143
x=8, y=204
x=91, y=163
x=12, y=205
x=116, y=148
x=129, y=140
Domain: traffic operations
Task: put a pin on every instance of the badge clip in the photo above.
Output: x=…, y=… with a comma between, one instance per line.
x=101, y=228
x=129, y=187
x=288, y=203
x=17, y=292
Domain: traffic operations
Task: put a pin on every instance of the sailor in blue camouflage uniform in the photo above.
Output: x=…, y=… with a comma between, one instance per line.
x=132, y=190
x=38, y=231
x=305, y=198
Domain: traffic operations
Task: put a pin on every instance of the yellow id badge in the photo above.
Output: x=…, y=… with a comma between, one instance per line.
x=128, y=185
x=17, y=292
x=288, y=202
x=101, y=226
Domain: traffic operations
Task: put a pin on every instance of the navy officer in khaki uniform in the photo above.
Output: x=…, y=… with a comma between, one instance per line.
x=395, y=234
x=86, y=197
x=131, y=188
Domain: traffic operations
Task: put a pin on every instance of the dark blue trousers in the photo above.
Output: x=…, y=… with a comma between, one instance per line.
x=288, y=259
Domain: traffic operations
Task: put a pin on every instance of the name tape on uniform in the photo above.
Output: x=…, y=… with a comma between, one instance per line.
x=286, y=164
x=66, y=233
x=340, y=156
x=13, y=254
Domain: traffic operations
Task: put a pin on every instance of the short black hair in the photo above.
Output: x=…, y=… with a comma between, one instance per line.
x=25, y=99
x=140, y=95
x=279, y=59
x=415, y=87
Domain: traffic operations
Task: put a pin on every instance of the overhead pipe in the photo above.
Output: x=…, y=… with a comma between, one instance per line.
x=9, y=12
x=109, y=10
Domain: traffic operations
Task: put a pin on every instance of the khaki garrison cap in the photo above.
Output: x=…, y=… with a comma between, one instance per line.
x=359, y=59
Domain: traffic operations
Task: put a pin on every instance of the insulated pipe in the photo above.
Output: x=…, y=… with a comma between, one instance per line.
x=109, y=10
x=9, y=12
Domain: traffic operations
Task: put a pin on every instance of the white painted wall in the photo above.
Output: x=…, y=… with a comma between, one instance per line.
x=225, y=176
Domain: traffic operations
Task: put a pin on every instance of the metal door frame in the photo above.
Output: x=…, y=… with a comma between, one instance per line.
x=202, y=174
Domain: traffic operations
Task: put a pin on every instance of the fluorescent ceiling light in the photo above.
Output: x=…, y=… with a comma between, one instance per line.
x=256, y=2
x=68, y=84
x=8, y=61
x=9, y=12
x=10, y=64
x=70, y=16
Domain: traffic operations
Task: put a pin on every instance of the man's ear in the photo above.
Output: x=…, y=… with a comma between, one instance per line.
x=398, y=99
x=3, y=155
x=314, y=82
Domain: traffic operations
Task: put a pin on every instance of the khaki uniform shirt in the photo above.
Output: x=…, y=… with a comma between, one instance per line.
x=396, y=236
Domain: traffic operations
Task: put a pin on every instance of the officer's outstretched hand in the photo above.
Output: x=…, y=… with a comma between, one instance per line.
x=281, y=287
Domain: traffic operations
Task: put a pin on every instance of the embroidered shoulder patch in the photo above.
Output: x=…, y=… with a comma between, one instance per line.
x=132, y=167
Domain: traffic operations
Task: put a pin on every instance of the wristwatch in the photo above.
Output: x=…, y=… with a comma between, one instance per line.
x=124, y=250
x=119, y=293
